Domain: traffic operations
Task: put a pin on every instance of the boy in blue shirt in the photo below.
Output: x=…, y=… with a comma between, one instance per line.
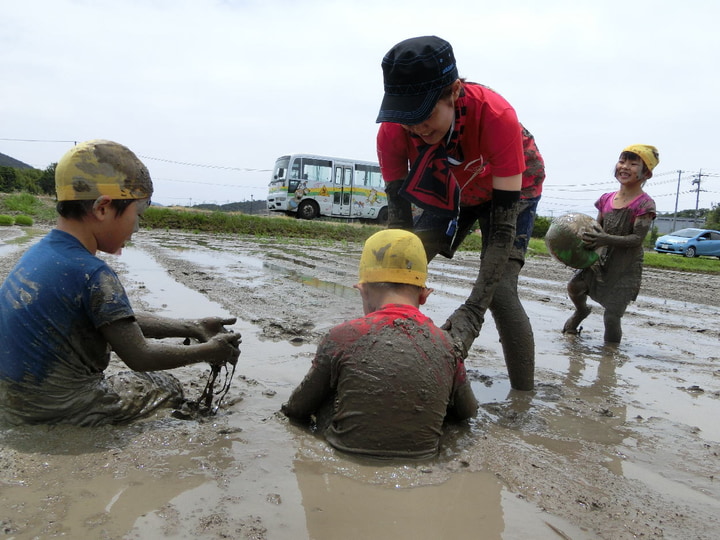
x=62, y=309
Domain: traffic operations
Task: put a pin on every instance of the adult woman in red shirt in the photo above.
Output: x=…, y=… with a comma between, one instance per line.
x=457, y=151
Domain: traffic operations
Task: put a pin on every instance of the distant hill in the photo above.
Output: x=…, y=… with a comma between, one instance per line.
x=246, y=207
x=7, y=161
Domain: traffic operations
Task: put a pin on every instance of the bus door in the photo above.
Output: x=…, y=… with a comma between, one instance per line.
x=342, y=190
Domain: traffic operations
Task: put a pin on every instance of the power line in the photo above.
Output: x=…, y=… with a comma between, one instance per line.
x=38, y=140
x=245, y=169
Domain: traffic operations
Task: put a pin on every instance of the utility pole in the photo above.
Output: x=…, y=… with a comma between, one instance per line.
x=677, y=195
x=697, y=181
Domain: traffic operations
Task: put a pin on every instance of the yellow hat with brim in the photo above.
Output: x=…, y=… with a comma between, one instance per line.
x=393, y=256
x=98, y=167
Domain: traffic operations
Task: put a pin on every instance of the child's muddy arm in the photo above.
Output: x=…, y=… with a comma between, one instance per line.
x=596, y=239
x=154, y=326
x=463, y=404
x=140, y=354
x=309, y=395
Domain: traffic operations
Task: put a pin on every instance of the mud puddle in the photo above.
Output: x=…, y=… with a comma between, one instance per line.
x=616, y=442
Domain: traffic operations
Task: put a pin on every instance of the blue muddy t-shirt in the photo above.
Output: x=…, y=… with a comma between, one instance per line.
x=53, y=354
x=52, y=304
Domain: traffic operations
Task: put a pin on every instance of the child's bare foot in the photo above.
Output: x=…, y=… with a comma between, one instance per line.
x=571, y=325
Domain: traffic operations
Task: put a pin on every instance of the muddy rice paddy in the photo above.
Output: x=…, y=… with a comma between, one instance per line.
x=616, y=442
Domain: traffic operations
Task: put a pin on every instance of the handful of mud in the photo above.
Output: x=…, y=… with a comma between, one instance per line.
x=564, y=240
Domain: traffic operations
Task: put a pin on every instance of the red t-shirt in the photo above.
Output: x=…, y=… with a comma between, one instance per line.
x=493, y=143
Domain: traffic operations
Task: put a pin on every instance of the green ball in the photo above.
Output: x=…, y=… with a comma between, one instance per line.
x=564, y=240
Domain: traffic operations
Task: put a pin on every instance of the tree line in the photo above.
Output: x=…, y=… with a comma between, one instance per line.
x=32, y=181
x=39, y=182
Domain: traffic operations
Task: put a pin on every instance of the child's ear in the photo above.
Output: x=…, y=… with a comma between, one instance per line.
x=101, y=206
x=424, y=293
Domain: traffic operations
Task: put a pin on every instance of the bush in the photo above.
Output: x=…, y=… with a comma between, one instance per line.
x=6, y=220
x=541, y=226
x=22, y=219
x=23, y=202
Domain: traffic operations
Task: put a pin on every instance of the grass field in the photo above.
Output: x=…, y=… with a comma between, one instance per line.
x=42, y=209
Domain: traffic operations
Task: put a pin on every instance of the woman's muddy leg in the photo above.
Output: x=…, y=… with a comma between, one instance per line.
x=516, y=335
x=578, y=293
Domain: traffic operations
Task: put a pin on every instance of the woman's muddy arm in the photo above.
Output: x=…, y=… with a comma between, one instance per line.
x=140, y=354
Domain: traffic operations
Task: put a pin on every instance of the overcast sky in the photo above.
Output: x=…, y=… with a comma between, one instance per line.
x=209, y=93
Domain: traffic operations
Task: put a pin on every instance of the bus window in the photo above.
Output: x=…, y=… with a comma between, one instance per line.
x=316, y=170
x=369, y=176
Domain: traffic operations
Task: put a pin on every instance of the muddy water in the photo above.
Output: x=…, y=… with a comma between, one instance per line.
x=616, y=442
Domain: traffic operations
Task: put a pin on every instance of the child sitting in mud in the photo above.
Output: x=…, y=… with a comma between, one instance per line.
x=625, y=217
x=383, y=384
x=62, y=309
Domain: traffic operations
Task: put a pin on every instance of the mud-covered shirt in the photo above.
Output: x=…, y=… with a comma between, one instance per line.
x=52, y=306
x=615, y=281
x=393, y=377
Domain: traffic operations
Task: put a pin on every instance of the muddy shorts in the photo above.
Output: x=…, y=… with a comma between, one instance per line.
x=96, y=400
x=441, y=235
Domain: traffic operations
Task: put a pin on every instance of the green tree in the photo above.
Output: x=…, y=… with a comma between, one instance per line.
x=8, y=179
x=27, y=180
x=712, y=219
x=46, y=182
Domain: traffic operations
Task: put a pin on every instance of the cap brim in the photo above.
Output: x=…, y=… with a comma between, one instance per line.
x=408, y=109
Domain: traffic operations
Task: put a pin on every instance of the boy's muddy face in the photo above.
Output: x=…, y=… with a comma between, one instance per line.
x=126, y=225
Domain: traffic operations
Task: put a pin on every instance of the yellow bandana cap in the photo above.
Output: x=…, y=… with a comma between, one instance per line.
x=649, y=154
x=98, y=167
x=393, y=256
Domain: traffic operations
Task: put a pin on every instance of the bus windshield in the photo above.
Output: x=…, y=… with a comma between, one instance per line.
x=280, y=170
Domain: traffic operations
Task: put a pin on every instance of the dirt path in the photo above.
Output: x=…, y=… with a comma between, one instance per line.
x=616, y=442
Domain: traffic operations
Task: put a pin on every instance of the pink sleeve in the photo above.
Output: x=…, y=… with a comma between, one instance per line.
x=645, y=205
x=604, y=203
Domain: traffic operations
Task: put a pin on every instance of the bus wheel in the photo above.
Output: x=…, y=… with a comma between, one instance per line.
x=307, y=210
x=382, y=218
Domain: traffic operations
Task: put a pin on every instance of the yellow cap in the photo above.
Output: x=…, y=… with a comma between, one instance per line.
x=393, y=256
x=98, y=167
x=649, y=154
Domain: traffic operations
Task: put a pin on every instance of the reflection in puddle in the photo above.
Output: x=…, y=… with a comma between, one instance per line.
x=338, y=507
x=337, y=289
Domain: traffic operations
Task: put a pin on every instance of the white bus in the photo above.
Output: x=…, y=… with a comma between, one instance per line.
x=309, y=186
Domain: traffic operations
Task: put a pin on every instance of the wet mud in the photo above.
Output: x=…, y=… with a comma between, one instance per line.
x=615, y=442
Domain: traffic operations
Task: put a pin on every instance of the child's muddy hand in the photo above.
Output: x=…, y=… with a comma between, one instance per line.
x=226, y=348
x=594, y=240
x=211, y=326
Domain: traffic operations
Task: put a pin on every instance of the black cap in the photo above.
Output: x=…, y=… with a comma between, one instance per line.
x=415, y=71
